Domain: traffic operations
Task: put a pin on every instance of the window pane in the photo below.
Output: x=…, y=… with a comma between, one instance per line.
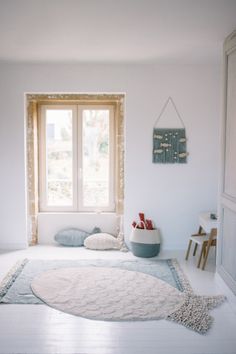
x=95, y=157
x=59, y=168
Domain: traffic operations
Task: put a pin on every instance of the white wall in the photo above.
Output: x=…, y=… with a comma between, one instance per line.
x=172, y=195
x=50, y=223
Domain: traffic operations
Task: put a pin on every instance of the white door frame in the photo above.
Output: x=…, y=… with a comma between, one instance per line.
x=227, y=202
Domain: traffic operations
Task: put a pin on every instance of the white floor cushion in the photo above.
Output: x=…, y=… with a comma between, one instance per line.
x=101, y=241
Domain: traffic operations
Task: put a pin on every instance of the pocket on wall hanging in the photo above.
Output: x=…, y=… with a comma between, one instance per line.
x=169, y=144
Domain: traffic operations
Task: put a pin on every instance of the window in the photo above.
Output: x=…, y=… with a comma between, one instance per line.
x=76, y=155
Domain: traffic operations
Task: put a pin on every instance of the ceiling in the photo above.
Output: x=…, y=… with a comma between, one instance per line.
x=114, y=30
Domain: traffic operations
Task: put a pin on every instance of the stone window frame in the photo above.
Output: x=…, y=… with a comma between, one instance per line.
x=33, y=100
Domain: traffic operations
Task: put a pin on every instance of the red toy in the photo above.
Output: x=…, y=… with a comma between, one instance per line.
x=147, y=224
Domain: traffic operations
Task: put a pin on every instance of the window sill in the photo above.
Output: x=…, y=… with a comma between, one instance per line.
x=77, y=212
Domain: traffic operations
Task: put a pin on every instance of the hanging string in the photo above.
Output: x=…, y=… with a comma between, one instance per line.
x=163, y=109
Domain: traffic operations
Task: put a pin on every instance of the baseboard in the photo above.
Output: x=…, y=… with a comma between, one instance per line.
x=231, y=283
x=13, y=246
x=231, y=297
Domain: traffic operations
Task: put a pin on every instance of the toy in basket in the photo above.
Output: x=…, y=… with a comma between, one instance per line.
x=144, y=238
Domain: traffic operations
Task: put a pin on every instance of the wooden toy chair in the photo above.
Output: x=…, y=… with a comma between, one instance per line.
x=205, y=241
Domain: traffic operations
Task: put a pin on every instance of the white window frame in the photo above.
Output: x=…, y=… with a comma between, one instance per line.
x=111, y=205
x=77, y=203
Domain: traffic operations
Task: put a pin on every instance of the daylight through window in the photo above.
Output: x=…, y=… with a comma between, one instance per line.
x=76, y=147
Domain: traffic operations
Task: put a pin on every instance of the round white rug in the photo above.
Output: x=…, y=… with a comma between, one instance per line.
x=107, y=293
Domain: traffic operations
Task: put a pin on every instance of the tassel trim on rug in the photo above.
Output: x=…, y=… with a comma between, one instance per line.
x=179, y=276
x=11, y=277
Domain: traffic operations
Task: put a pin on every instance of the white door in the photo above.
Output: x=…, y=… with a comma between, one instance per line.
x=227, y=234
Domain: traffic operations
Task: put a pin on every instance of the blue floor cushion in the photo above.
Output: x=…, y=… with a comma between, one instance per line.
x=73, y=237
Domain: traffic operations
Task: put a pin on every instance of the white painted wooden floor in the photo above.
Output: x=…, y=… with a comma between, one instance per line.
x=41, y=329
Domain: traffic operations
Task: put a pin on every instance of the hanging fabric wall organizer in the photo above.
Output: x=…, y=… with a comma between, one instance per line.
x=169, y=144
